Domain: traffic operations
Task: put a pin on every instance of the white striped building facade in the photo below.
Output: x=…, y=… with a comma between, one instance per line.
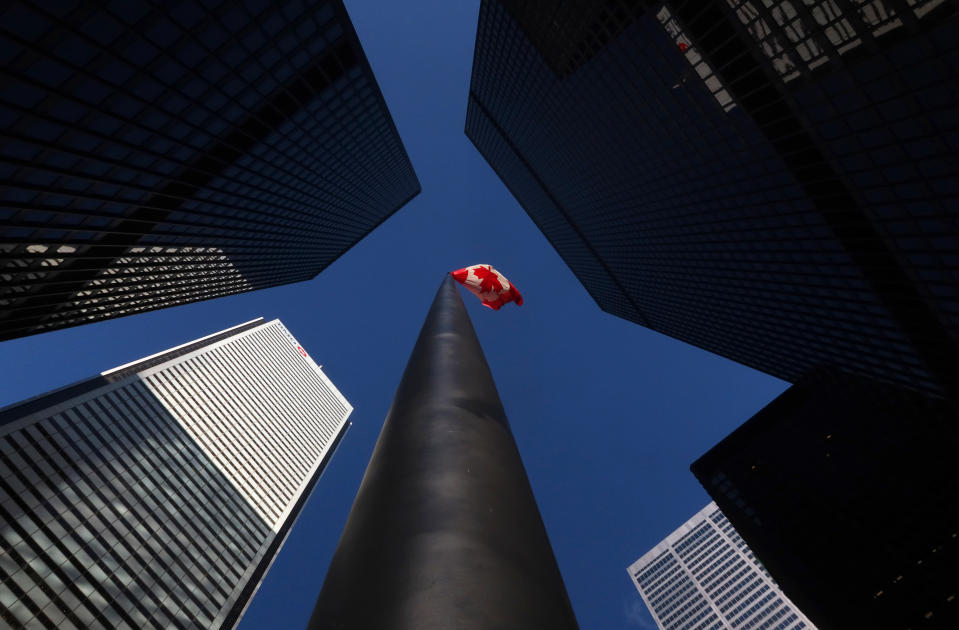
x=157, y=494
x=704, y=577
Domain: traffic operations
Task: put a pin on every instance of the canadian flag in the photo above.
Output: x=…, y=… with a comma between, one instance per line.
x=489, y=285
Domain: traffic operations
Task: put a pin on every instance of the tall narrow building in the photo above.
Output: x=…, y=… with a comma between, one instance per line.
x=704, y=577
x=157, y=494
x=156, y=154
x=775, y=182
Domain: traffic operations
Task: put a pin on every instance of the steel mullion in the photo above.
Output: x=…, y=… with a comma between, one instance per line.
x=149, y=275
x=80, y=227
x=725, y=78
x=866, y=38
x=255, y=266
x=289, y=230
x=131, y=278
x=905, y=14
x=180, y=291
x=817, y=32
x=371, y=80
x=113, y=164
x=33, y=256
x=201, y=132
x=255, y=23
x=777, y=31
x=745, y=286
x=110, y=230
x=121, y=184
x=62, y=319
x=300, y=76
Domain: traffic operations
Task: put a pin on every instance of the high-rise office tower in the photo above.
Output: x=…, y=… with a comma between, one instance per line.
x=846, y=490
x=704, y=577
x=157, y=494
x=775, y=182
x=155, y=154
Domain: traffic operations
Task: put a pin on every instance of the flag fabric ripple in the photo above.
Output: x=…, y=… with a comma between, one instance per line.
x=488, y=285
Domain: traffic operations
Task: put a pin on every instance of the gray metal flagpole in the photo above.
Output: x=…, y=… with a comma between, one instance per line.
x=444, y=532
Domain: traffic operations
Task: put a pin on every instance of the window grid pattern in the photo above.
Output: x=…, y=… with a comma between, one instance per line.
x=704, y=577
x=156, y=155
x=681, y=208
x=800, y=36
x=148, y=502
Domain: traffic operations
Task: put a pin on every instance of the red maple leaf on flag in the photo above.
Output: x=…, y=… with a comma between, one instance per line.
x=488, y=280
x=488, y=285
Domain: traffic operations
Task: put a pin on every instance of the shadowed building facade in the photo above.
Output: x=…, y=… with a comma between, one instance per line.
x=159, y=154
x=777, y=183
x=157, y=494
x=846, y=490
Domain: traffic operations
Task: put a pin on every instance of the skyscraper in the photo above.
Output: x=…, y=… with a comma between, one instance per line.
x=846, y=490
x=704, y=577
x=157, y=494
x=155, y=154
x=775, y=182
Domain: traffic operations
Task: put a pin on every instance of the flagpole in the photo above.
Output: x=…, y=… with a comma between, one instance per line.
x=444, y=532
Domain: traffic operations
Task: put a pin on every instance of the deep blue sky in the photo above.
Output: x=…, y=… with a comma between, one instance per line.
x=607, y=415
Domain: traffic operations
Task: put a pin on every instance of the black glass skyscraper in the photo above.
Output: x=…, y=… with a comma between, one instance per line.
x=845, y=489
x=155, y=154
x=776, y=182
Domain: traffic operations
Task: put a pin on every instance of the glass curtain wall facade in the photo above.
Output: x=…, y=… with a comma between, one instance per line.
x=155, y=154
x=776, y=182
x=845, y=489
x=704, y=577
x=157, y=494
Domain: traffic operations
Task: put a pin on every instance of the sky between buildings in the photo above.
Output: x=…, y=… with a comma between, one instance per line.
x=607, y=415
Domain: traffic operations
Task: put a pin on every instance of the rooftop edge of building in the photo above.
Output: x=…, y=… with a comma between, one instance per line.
x=673, y=536
x=42, y=401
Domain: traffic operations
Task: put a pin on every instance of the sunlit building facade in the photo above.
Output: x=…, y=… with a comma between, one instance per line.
x=157, y=494
x=156, y=154
x=704, y=577
x=775, y=182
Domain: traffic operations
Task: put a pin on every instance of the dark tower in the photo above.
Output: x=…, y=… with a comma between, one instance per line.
x=846, y=490
x=444, y=532
x=155, y=154
x=775, y=182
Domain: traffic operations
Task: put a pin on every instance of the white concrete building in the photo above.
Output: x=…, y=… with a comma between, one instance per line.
x=157, y=494
x=704, y=577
